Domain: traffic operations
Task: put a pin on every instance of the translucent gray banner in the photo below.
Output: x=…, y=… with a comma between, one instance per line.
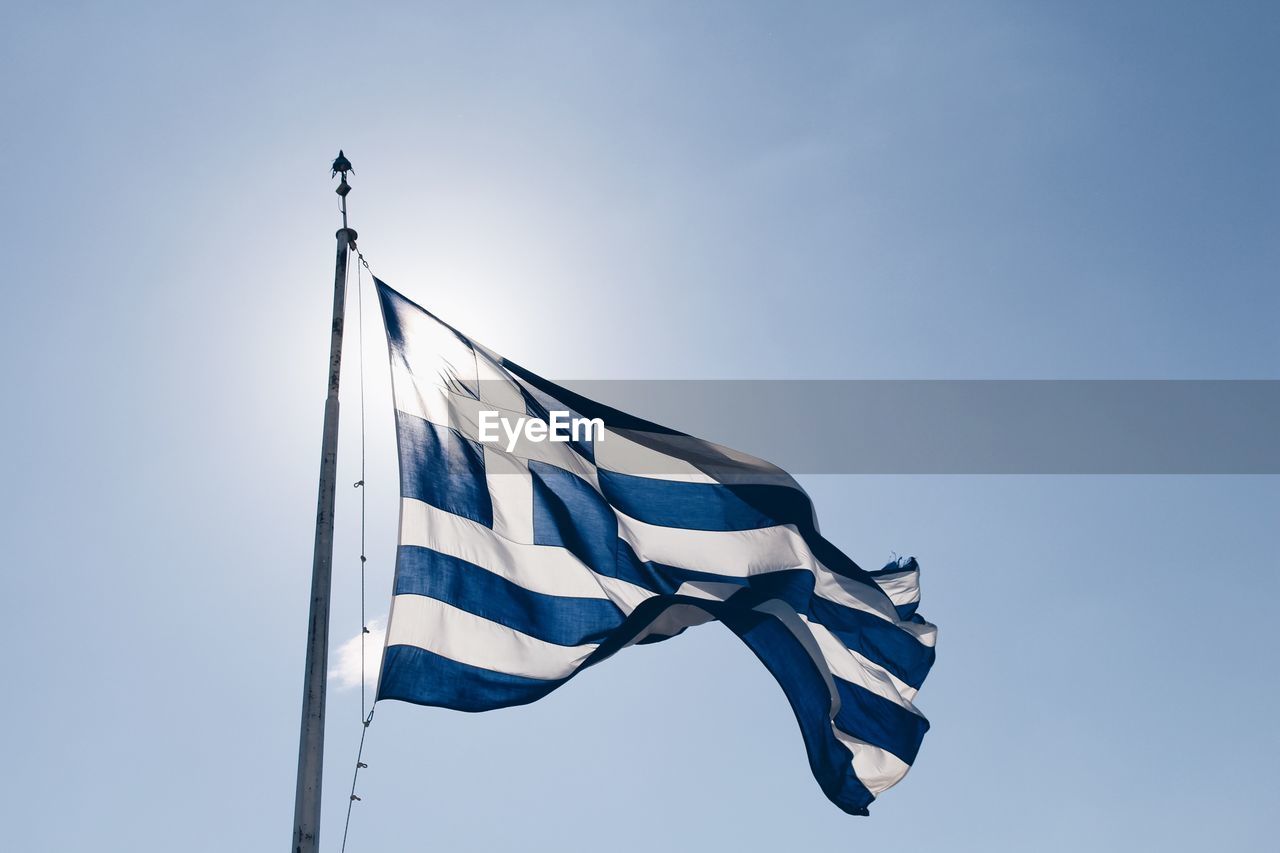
x=971, y=426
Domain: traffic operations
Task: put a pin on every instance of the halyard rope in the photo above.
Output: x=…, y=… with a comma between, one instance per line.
x=366, y=712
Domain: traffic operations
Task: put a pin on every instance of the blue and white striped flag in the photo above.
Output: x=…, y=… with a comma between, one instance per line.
x=523, y=561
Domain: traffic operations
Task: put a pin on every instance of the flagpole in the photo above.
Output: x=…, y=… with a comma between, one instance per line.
x=306, y=808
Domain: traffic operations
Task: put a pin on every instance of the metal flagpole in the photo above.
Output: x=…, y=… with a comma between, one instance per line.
x=306, y=808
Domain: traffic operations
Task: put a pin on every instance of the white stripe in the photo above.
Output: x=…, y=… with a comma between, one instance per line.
x=849, y=592
x=511, y=494
x=619, y=453
x=433, y=351
x=709, y=589
x=672, y=620
x=548, y=569
x=539, y=568
x=426, y=400
x=877, y=769
x=734, y=553
x=626, y=595
x=743, y=553
x=466, y=638
x=847, y=664
x=901, y=587
x=684, y=458
x=925, y=632
x=496, y=385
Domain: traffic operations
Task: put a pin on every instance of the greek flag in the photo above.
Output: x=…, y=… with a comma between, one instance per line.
x=522, y=561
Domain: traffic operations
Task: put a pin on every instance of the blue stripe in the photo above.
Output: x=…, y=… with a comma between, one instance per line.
x=876, y=639
x=907, y=612
x=556, y=619
x=569, y=513
x=806, y=690
x=442, y=467
x=897, y=567
x=879, y=722
x=873, y=637
x=706, y=506
x=393, y=304
x=416, y=675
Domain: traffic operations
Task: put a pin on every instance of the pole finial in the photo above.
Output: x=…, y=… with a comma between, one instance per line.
x=341, y=164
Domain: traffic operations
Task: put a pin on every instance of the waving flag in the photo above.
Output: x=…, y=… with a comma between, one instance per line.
x=525, y=559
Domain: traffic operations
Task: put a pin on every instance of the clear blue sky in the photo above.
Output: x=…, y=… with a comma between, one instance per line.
x=839, y=190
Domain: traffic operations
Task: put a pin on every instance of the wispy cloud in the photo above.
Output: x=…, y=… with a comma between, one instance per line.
x=345, y=672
